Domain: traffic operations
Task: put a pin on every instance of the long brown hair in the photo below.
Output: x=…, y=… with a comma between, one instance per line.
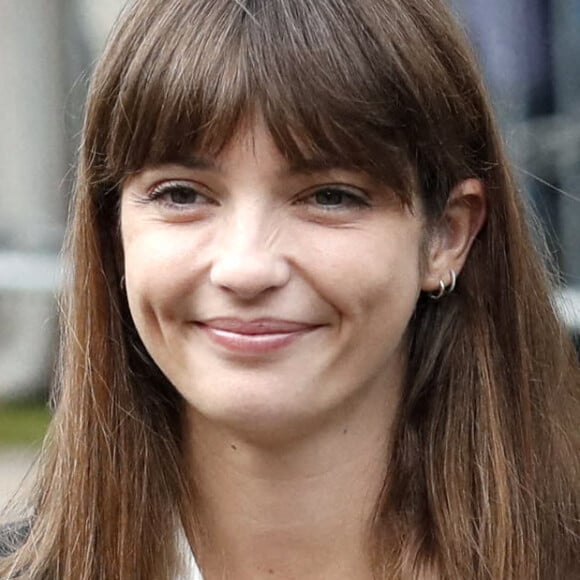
x=484, y=473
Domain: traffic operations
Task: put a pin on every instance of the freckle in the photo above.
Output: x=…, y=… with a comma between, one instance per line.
x=270, y=571
x=345, y=431
x=234, y=447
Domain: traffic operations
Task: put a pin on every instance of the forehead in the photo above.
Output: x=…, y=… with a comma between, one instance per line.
x=254, y=140
x=162, y=95
x=252, y=156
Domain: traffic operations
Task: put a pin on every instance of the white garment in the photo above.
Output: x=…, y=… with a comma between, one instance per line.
x=189, y=570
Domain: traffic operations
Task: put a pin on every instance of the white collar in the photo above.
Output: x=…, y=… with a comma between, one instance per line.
x=189, y=568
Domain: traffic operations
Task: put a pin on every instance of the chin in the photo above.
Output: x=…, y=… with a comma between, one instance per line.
x=254, y=417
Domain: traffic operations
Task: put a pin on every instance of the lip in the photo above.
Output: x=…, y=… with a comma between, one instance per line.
x=257, y=336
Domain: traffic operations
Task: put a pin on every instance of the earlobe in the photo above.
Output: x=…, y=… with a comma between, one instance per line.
x=460, y=223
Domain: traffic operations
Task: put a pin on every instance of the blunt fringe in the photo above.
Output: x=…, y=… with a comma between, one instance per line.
x=483, y=476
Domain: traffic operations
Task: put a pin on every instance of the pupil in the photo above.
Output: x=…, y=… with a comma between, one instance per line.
x=181, y=195
x=329, y=197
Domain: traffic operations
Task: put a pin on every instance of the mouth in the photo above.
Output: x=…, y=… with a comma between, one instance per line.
x=254, y=337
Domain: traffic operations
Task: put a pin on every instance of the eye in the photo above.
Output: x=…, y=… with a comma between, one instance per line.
x=337, y=198
x=178, y=194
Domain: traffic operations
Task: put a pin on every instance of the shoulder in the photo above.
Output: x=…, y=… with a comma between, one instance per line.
x=12, y=536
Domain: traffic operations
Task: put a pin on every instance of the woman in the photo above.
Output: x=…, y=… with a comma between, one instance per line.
x=306, y=333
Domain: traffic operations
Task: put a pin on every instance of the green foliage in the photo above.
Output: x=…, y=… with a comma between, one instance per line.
x=23, y=423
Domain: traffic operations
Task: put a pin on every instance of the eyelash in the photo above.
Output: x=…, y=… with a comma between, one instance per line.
x=350, y=200
x=162, y=192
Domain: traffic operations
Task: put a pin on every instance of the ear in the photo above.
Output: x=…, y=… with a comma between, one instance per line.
x=449, y=245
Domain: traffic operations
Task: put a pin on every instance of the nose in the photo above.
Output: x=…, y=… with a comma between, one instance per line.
x=248, y=261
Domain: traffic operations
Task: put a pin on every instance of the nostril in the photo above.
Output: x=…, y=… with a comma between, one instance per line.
x=249, y=276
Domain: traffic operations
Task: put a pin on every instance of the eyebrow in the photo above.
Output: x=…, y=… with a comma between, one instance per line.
x=320, y=164
x=196, y=161
x=305, y=166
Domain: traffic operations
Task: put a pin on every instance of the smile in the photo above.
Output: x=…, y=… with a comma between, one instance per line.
x=256, y=336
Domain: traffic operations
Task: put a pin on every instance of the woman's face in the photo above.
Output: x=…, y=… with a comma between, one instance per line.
x=270, y=295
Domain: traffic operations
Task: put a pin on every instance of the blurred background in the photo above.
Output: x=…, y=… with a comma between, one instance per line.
x=530, y=55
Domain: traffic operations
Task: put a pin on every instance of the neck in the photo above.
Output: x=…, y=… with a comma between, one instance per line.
x=296, y=509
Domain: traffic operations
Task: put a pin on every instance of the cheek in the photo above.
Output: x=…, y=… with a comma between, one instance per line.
x=358, y=273
x=158, y=270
